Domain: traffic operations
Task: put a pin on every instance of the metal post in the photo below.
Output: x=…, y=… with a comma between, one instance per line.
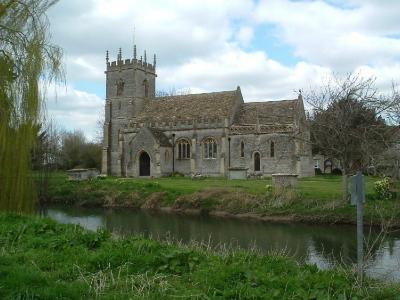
x=358, y=198
x=229, y=152
x=173, y=153
x=360, y=232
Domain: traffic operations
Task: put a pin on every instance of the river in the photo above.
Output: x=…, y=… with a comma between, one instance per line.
x=323, y=245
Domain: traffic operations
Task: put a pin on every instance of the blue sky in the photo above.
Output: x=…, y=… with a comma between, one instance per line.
x=270, y=48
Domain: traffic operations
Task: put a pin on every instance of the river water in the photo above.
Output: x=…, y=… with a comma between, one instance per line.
x=323, y=245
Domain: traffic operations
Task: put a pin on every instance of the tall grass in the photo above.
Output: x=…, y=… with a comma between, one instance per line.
x=41, y=259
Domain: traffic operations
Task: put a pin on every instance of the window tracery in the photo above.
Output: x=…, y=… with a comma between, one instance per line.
x=210, y=148
x=183, y=149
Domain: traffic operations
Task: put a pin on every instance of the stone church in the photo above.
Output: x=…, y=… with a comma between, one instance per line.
x=211, y=134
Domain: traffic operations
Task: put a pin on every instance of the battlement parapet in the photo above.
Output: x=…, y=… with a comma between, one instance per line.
x=189, y=124
x=130, y=63
x=261, y=129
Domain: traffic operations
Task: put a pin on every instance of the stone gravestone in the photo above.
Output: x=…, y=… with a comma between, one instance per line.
x=284, y=185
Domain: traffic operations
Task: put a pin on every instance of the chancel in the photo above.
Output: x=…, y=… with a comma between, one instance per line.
x=208, y=134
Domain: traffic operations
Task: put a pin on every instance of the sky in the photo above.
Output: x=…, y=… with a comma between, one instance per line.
x=270, y=48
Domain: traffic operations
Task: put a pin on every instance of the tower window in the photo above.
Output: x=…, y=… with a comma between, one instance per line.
x=210, y=148
x=272, y=149
x=120, y=87
x=242, y=149
x=183, y=149
x=146, y=88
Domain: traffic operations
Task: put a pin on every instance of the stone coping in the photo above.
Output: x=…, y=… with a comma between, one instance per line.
x=82, y=170
x=285, y=174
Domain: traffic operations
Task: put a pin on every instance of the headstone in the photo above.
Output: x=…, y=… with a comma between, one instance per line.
x=282, y=183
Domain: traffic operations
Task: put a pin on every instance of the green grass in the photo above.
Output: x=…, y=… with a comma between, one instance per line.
x=317, y=199
x=41, y=259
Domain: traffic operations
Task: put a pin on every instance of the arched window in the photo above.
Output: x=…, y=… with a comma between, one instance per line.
x=257, y=164
x=183, y=149
x=210, y=148
x=272, y=149
x=242, y=149
x=146, y=88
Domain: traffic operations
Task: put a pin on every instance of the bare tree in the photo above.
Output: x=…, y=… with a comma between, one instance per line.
x=76, y=151
x=46, y=157
x=349, y=122
x=172, y=92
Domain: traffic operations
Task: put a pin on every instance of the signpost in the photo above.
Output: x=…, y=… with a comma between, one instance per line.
x=358, y=198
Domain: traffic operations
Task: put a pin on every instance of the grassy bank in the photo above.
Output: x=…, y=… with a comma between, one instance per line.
x=318, y=199
x=41, y=259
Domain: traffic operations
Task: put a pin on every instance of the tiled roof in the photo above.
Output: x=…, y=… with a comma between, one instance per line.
x=189, y=107
x=160, y=137
x=268, y=113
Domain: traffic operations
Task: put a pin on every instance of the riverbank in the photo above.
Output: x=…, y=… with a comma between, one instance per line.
x=317, y=200
x=41, y=258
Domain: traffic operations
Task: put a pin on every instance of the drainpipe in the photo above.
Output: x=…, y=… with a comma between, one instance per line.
x=173, y=153
x=229, y=152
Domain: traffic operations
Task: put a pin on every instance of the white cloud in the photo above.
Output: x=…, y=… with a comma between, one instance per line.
x=73, y=109
x=341, y=38
x=259, y=77
x=245, y=35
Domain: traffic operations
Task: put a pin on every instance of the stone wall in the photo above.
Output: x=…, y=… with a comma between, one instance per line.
x=197, y=163
x=281, y=162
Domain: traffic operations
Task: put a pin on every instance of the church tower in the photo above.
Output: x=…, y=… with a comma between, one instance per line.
x=130, y=83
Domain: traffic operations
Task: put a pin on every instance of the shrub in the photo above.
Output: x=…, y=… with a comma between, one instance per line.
x=318, y=171
x=382, y=189
x=268, y=189
x=336, y=171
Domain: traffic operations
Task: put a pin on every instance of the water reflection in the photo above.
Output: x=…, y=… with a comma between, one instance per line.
x=324, y=245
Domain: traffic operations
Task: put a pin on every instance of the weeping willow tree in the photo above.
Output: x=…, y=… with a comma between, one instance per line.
x=28, y=63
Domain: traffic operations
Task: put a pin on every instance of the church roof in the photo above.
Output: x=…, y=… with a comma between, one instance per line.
x=268, y=113
x=189, y=107
x=160, y=137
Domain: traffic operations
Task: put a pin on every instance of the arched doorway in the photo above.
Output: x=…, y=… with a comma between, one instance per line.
x=144, y=164
x=257, y=162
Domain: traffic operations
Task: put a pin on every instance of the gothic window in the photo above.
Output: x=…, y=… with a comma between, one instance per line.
x=146, y=88
x=183, y=149
x=210, y=148
x=166, y=155
x=272, y=149
x=257, y=164
x=119, y=105
x=120, y=87
x=242, y=149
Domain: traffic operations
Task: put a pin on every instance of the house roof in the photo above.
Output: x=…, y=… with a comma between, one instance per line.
x=268, y=113
x=189, y=107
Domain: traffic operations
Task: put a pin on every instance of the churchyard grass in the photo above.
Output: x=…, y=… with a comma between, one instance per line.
x=42, y=259
x=317, y=199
